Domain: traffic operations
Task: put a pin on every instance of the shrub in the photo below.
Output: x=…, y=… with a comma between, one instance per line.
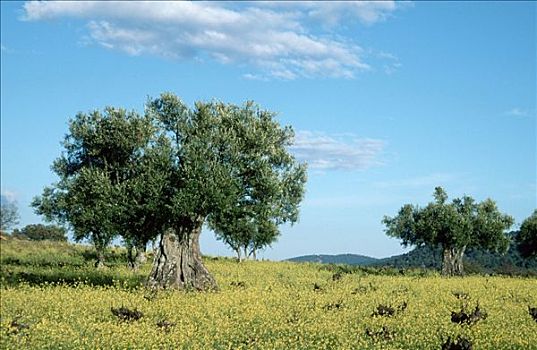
x=41, y=232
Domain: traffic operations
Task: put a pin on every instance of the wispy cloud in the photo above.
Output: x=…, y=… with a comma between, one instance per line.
x=250, y=76
x=334, y=12
x=439, y=179
x=5, y=49
x=518, y=112
x=337, y=152
x=390, y=62
x=7, y=196
x=276, y=38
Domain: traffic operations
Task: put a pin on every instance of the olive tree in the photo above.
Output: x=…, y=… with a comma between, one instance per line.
x=526, y=238
x=269, y=181
x=246, y=235
x=99, y=151
x=167, y=173
x=454, y=226
x=9, y=215
x=223, y=157
x=143, y=199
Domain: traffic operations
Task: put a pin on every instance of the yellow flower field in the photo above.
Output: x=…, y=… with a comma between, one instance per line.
x=269, y=305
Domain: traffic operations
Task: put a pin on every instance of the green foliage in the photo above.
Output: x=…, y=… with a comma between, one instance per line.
x=175, y=168
x=269, y=183
x=475, y=261
x=461, y=223
x=527, y=237
x=9, y=215
x=99, y=151
x=455, y=226
x=228, y=164
x=41, y=232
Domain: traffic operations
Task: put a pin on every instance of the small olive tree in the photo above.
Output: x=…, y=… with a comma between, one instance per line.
x=9, y=215
x=454, y=226
x=99, y=151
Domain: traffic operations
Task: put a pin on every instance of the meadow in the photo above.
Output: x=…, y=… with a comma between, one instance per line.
x=53, y=298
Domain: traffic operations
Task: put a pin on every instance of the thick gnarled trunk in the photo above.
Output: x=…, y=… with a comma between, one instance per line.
x=452, y=264
x=178, y=263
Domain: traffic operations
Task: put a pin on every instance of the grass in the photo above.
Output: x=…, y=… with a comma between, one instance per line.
x=53, y=298
x=36, y=263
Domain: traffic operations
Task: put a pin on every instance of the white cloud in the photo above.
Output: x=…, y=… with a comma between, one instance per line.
x=250, y=76
x=334, y=12
x=518, y=112
x=337, y=152
x=276, y=38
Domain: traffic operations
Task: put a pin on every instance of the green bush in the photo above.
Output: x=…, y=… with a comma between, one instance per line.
x=41, y=232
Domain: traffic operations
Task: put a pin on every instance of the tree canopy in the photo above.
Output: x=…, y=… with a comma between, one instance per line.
x=454, y=226
x=269, y=183
x=99, y=153
x=9, y=215
x=527, y=237
x=229, y=166
x=170, y=171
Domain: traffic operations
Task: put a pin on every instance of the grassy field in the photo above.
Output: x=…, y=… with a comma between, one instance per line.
x=52, y=298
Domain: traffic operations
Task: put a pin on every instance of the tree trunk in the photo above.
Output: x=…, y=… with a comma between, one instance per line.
x=130, y=254
x=100, y=258
x=136, y=255
x=178, y=263
x=239, y=256
x=254, y=255
x=139, y=258
x=100, y=242
x=452, y=264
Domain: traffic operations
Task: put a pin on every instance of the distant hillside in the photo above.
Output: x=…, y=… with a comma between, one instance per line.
x=350, y=259
x=475, y=261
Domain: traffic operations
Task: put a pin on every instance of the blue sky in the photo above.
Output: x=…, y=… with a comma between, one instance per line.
x=388, y=99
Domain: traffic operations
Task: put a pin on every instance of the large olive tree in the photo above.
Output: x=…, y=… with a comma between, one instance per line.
x=170, y=171
x=454, y=226
x=225, y=160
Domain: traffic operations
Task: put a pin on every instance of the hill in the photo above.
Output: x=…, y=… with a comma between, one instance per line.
x=349, y=259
